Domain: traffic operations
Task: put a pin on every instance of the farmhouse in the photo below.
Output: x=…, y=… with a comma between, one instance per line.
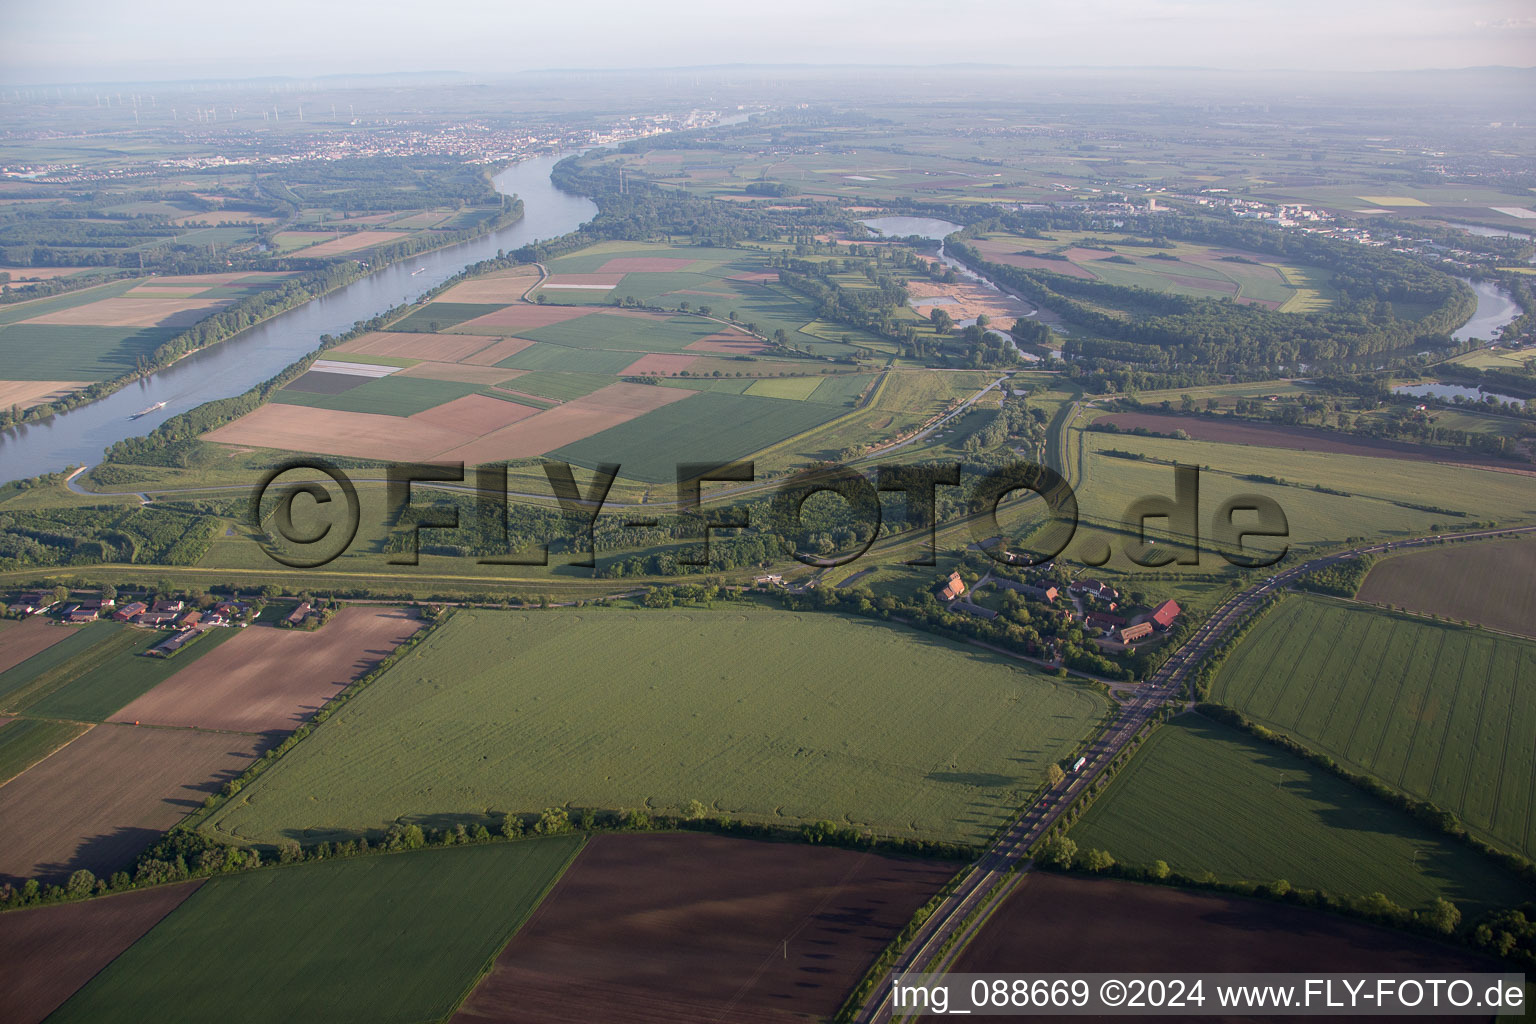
x=1104, y=620
x=975, y=609
x=952, y=588
x=32, y=602
x=76, y=613
x=1095, y=588
x=1135, y=631
x=131, y=611
x=1045, y=594
x=299, y=614
x=173, y=643
x=1165, y=613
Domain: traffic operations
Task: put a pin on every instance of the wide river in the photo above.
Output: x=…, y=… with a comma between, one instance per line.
x=234, y=366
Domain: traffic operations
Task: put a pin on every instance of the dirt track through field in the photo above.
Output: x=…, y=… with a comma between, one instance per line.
x=103, y=798
x=688, y=929
x=47, y=954
x=270, y=679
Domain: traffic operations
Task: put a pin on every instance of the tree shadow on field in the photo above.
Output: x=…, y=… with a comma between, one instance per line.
x=981, y=780
x=100, y=854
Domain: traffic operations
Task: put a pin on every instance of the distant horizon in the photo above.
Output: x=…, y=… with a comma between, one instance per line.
x=809, y=66
x=78, y=41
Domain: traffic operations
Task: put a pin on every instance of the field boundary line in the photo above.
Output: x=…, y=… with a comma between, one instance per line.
x=1509, y=722
x=1418, y=718
x=1482, y=705
x=490, y=963
x=88, y=727
x=1450, y=716
x=1391, y=713
x=1370, y=691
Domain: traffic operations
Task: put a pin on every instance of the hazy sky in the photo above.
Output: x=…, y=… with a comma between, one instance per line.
x=95, y=40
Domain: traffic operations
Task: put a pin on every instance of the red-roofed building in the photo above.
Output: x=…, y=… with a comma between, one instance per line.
x=953, y=587
x=1165, y=613
x=1134, y=632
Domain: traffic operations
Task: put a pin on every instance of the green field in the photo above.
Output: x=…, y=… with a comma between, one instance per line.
x=605, y=331
x=50, y=668
x=385, y=396
x=439, y=316
x=1487, y=583
x=1436, y=710
x=384, y=938
x=796, y=389
x=1378, y=496
x=572, y=360
x=709, y=427
x=96, y=691
x=68, y=352
x=765, y=716
x=26, y=741
x=562, y=386
x=1207, y=798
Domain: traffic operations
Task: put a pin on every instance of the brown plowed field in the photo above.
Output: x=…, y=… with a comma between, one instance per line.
x=20, y=640
x=103, y=798
x=363, y=435
x=727, y=341
x=1487, y=583
x=661, y=363
x=27, y=393
x=135, y=311
x=474, y=414
x=1301, y=439
x=605, y=280
x=1062, y=923
x=353, y=242
x=462, y=372
x=645, y=265
x=566, y=424
x=502, y=286
x=47, y=954
x=688, y=929
x=444, y=348
x=269, y=679
x=520, y=316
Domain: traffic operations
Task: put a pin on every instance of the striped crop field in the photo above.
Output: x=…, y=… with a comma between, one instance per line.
x=1436, y=710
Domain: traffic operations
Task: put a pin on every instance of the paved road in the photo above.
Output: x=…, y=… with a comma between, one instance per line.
x=1009, y=851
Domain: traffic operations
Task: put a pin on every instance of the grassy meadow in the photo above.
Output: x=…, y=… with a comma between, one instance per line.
x=761, y=715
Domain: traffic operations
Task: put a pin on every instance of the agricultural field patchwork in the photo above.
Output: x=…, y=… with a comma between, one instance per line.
x=1180, y=268
x=752, y=932
x=405, y=935
x=1433, y=709
x=759, y=715
x=98, y=802
x=1207, y=798
x=102, y=332
x=565, y=372
x=48, y=953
